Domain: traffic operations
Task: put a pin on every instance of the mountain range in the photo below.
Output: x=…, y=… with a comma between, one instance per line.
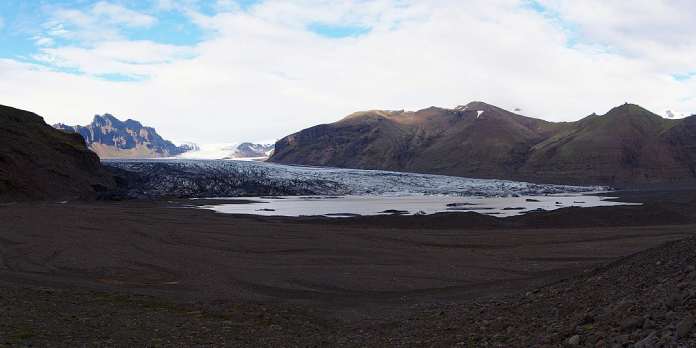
x=110, y=137
x=627, y=147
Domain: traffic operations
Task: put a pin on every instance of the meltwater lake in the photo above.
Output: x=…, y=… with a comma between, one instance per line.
x=347, y=206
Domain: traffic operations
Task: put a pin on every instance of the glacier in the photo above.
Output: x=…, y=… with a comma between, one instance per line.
x=231, y=178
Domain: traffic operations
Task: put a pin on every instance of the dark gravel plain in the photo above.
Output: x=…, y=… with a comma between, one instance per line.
x=160, y=273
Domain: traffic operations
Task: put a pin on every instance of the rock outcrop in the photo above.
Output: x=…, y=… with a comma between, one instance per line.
x=38, y=162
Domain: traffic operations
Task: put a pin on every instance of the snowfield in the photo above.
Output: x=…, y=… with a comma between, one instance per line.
x=237, y=151
x=229, y=178
x=210, y=151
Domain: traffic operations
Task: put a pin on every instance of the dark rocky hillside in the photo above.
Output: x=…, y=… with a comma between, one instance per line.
x=110, y=137
x=627, y=147
x=38, y=162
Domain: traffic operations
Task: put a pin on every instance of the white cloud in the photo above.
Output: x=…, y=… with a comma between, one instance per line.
x=130, y=58
x=98, y=46
x=121, y=15
x=226, y=5
x=658, y=31
x=185, y=5
x=101, y=21
x=43, y=41
x=261, y=74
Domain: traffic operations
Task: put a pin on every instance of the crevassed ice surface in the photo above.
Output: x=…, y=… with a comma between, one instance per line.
x=363, y=182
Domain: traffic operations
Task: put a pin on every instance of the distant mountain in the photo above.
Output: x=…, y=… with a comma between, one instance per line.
x=38, y=162
x=189, y=146
x=110, y=137
x=230, y=151
x=629, y=146
x=250, y=150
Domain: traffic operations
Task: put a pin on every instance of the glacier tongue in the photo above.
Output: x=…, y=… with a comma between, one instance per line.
x=218, y=178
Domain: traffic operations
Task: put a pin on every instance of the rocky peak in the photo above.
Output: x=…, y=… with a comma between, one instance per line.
x=133, y=124
x=106, y=119
x=476, y=106
x=473, y=105
x=628, y=109
x=482, y=110
x=110, y=137
x=634, y=116
x=254, y=150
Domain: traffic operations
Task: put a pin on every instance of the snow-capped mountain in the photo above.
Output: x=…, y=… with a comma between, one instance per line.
x=242, y=151
x=251, y=150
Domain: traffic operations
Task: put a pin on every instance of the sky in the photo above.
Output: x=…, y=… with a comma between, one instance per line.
x=256, y=70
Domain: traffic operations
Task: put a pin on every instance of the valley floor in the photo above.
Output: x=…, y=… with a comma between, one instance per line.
x=161, y=273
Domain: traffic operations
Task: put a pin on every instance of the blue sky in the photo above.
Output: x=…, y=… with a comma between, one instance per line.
x=23, y=40
x=260, y=69
x=25, y=23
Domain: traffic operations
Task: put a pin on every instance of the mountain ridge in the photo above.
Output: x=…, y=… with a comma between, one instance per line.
x=110, y=137
x=628, y=146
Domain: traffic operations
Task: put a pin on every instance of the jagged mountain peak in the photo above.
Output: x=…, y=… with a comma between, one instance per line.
x=110, y=119
x=105, y=118
x=135, y=124
x=110, y=137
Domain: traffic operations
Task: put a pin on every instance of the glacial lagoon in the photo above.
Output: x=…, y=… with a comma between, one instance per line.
x=352, y=205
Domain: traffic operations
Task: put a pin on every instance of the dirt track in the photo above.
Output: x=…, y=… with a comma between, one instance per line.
x=345, y=273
